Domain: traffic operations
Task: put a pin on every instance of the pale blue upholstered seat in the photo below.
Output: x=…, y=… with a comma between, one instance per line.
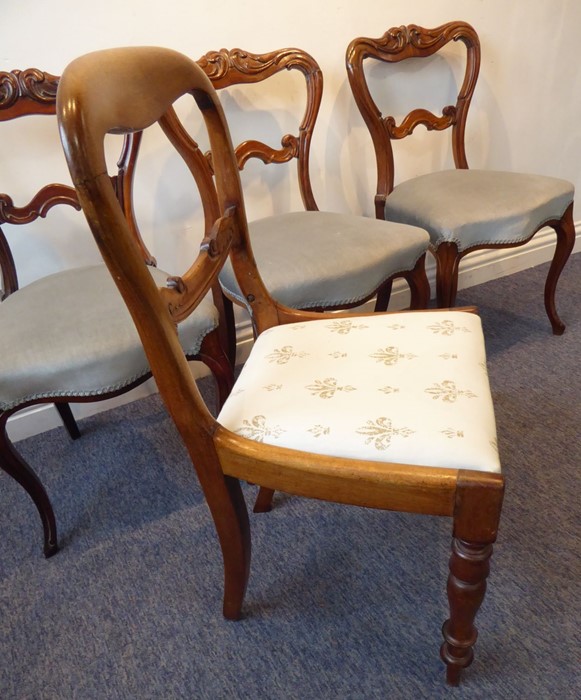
x=70, y=334
x=315, y=259
x=472, y=208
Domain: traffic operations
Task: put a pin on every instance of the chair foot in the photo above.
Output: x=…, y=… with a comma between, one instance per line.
x=453, y=674
x=263, y=502
x=565, y=230
x=469, y=568
x=13, y=464
x=50, y=549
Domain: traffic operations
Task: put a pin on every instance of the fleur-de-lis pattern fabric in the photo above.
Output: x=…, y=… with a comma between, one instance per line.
x=391, y=355
x=327, y=388
x=411, y=390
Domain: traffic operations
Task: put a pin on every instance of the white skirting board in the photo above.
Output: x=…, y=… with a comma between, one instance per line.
x=476, y=268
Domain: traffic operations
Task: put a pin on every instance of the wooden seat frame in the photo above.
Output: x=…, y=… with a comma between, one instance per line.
x=137, y=87
x=33, y=92
x=413, y=41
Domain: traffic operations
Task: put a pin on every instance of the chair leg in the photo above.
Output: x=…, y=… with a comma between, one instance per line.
x=226, y=502
x=469, y=568
x=236, y=551
x=565, y=230
x=213, y=356
x=13, y=464
x=419, y=285
x=263, y=502
x=228, y=307
x=68, y=420
x=447, y=263
x=383, y=296
x=477, y=508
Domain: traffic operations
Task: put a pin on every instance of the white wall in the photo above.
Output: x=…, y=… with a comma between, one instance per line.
x=526, y=114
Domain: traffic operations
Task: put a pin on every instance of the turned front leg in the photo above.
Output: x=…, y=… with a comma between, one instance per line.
x=476, y=514
x=469, y=568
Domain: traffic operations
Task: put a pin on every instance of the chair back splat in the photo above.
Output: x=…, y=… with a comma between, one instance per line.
x=68, y=337
x=376, y=430
x=463, y=210
x=227, y=68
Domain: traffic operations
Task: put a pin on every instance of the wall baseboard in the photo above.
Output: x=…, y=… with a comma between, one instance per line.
x=481, y=266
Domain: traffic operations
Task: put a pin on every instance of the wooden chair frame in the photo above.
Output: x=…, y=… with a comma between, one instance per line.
x=33, y=92
x=413, y=41
x=137, y=88
x=229, y=67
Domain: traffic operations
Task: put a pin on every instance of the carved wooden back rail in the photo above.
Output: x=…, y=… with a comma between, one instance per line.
x=33, y=92
x=397, y=45
x=226, y=68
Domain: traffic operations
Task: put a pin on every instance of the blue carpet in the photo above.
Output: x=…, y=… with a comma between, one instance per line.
x=343, y=602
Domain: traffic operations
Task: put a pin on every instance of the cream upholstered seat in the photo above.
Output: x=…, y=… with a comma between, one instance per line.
x=68, y=337
x=312, y=259
x=410, y=389
x=388, y=411
x=463, y=210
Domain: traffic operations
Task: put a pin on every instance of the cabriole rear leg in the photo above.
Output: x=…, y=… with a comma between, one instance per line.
x=13, y=464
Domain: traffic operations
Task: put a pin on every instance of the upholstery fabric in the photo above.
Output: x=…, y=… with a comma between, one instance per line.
x=478, y=207
x=410, y=388
x=56, y=340
x=312, y=259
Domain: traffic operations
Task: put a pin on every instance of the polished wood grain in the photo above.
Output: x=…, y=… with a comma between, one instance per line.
x=222, y=458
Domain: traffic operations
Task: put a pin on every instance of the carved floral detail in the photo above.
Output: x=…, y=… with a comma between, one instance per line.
x=219, y=64
x=32, y=83
x=406, y=38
